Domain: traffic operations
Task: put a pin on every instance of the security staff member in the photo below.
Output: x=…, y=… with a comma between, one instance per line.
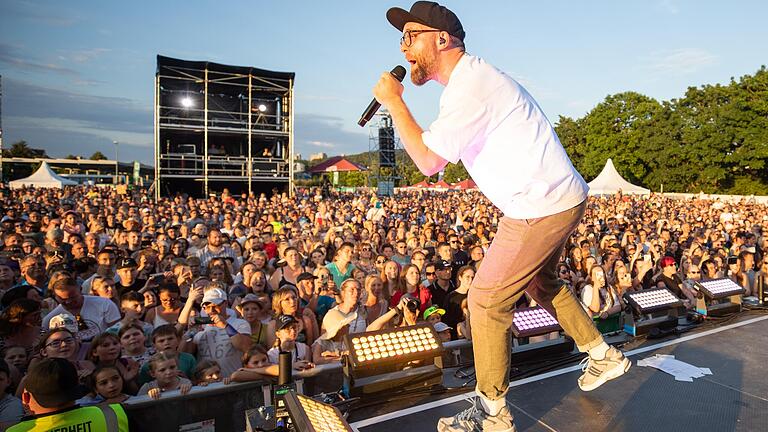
x=51, y=389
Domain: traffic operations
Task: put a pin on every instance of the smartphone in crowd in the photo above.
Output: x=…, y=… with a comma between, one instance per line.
x=647, y=257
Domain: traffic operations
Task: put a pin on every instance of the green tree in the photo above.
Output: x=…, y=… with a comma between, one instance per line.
x=98, y=156
x=21, y=149
x=455, y=172
x=615, y=129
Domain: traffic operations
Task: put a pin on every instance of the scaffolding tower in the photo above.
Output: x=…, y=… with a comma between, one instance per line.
x=383, y=151
x=221, y=126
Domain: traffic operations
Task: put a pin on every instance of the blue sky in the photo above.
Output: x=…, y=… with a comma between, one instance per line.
x=79, y=74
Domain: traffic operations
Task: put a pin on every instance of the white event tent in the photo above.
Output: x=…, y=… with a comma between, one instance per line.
x=44, y=177
x=609, y=181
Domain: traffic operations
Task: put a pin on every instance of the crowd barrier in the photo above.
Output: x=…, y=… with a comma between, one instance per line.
x=224, y=407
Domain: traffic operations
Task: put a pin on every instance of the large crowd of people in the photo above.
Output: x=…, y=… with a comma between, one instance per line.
x=143, y=297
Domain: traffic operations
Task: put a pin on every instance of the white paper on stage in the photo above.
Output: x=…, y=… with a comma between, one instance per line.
x=682, y=371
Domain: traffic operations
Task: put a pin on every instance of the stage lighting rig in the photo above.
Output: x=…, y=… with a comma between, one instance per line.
x=399, y=358
x=533, y=321
x=536, y=321
x=718, y=297
x=309, y=415
x=649, y=309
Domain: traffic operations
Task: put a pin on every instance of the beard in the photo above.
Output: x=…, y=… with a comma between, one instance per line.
x=423, y=69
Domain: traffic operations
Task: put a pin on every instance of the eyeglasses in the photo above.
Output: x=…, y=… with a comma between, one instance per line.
x=430, y=273
x=57, y=343
x=410, y=35
x=380, y=262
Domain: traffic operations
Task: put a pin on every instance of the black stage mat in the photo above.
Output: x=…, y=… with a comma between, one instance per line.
x=734, y=398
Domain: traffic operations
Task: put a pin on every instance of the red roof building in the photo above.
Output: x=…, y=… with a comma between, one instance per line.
x=336, y=164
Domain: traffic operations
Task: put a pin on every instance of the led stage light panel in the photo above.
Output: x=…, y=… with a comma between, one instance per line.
x=653, y=300
x=533, y=322
x=314, y=416
x=720, y=288
x=394, y=345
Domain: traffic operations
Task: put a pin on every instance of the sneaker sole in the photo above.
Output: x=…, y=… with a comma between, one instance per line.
x=616, y=372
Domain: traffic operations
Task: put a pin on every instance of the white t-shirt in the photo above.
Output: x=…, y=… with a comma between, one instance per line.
x=98, y=313
x=213, y=343
x=607, y=299
x=299, y=353
x=490, y=122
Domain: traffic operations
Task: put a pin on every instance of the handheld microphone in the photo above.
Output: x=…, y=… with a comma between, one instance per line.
x=399, y=73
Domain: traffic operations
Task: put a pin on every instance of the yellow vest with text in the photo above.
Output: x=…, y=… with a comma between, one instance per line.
x=98, y=418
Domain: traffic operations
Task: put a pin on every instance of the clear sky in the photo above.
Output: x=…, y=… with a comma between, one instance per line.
x=79, y=74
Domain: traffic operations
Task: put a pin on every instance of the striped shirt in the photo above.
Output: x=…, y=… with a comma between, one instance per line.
x=206, y=255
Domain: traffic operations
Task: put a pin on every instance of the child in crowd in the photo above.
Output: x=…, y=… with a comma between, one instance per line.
x=165, y=338
x=106, y=385
x=163, y=367
x=443, y=331
x=105, y=351
x=11, y=409
x=132, y=340
x=256, y=366
x=16, y=356
x=434, y=315
x=251, y=308
x=287, y=330
x=132, y=308
x=206, y=372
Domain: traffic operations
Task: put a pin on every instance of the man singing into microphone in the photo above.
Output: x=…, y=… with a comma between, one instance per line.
x=490, y=122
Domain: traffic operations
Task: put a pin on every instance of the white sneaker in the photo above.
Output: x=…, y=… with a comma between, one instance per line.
x=598, y=372
x=475, y=419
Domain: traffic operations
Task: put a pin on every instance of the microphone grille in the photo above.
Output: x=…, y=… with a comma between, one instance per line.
x=398, y=72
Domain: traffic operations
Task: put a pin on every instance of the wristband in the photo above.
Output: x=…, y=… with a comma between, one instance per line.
x=230, y=330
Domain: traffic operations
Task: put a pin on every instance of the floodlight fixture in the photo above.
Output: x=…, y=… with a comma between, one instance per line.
x=534, y=321
x=187, y=102
x=393, y=359
x=387, y=347
x=309, y=415
x=652, y=300
x=718, y=297
x=656, y=308
x=262, y=108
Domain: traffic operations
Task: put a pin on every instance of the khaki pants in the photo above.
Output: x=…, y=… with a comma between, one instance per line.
x=522, y=258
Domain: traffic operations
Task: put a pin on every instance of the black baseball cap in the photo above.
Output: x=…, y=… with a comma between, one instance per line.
x=284, y=321
x=430, y=14
x=127, y=263
x=442, y=264
x=53, y=382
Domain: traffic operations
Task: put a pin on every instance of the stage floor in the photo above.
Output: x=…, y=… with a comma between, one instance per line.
x=734, y=398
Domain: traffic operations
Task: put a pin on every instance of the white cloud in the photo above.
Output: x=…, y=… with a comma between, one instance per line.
x=322, y=144
x=679, y=61
x=83, y=55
